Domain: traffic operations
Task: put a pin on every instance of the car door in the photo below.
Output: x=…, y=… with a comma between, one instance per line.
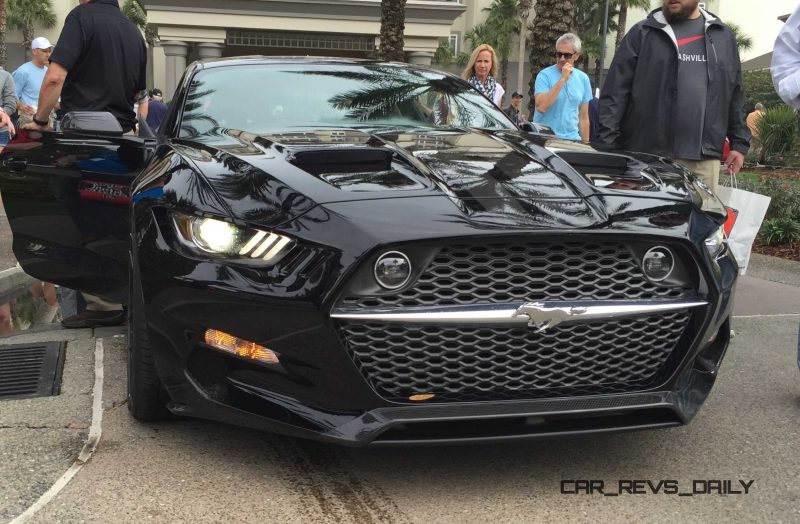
x=67, y=199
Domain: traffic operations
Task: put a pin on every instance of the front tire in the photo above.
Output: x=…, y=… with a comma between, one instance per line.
x=147, y=397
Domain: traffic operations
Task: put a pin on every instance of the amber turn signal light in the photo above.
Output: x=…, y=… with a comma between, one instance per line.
x=240, y=347
x=421, y=397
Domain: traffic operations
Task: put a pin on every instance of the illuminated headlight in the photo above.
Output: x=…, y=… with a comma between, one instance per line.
x=716, y=242
x=223, y=238
x=658, y=263
x=392, y=270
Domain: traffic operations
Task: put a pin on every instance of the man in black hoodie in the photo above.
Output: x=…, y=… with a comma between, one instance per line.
x=674, y=89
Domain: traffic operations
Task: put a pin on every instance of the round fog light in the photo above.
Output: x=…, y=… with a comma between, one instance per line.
x=392, y=270
x=658, y=263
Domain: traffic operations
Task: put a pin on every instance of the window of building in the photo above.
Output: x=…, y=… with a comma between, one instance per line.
x=454, y=43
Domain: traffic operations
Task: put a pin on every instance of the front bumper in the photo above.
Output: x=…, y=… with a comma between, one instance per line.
x=458, y=423
x=319, y=392
x=324, y=397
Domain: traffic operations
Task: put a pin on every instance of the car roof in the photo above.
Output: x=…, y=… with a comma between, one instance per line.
x=308, y=60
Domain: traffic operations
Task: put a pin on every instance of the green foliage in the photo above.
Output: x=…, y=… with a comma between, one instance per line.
x=784, y=195
x=777, y=130
x=589, y=16
x=777, y=231
x=443, y=54
x=743, y=42
x=26, y=14
x=758, y=88
x=135, y=11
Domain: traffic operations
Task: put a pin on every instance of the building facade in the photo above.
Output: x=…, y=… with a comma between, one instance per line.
x=188, y=30
x=199, y=29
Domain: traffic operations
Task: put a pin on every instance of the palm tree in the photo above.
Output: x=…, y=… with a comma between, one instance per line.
x=743, y=42
x=135, y=11
x=2, y=33
x=393, y=16
x=589, y=15
x=622, y=20
x=553, y=19
x=503, y=22
x=524, y=10
x=25, y=14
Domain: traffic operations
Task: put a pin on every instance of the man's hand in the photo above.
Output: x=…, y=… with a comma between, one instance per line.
x=6, y=120
x=734, y=162
x=566, y=71
x=33, y=126
x=25, y=109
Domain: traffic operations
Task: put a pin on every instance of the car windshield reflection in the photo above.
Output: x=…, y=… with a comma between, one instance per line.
x=270, y=98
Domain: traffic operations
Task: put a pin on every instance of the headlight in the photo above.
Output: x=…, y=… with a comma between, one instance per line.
x=716, y=243
x=218, y=237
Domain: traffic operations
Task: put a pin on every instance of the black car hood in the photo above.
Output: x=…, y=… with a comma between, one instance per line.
x=543, y=181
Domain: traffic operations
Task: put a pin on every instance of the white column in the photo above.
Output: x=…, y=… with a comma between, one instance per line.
x=176, y=63
x=209, y=50
x=420, y=57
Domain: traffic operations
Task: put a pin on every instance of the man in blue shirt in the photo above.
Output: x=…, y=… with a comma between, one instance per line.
x=156, y=110
x=562, y=93
x=28, y=79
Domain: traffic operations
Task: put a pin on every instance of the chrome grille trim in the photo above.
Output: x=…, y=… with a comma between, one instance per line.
x=506, y=314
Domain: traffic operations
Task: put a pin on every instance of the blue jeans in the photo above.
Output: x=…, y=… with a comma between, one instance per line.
x=5, y=138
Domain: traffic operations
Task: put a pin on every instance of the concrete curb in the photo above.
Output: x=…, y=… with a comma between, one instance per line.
x=774, y=269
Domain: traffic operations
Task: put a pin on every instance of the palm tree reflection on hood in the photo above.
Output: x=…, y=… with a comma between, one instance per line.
x=415, y=95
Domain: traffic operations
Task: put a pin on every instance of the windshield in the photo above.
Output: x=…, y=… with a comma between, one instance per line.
x=274, y=97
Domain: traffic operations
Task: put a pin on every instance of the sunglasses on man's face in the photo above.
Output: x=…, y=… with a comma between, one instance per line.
x=566, y=56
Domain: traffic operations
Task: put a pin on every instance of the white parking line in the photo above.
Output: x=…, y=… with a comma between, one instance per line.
x=776, y=315
x=95, y=431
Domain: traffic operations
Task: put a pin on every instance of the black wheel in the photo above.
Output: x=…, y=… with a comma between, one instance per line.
x=147, y=398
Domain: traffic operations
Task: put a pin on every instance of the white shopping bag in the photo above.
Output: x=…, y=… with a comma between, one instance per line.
x=750, y=209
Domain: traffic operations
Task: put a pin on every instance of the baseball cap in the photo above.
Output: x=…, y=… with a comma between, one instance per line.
x=517, y=94
x=155, y=92
x=41, y=43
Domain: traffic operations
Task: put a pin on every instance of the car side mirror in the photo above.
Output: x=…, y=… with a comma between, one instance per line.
x=100, y=123
x=532, y=127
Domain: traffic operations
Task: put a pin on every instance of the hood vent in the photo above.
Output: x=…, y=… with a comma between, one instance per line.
x=342, y=160
x=611, y=171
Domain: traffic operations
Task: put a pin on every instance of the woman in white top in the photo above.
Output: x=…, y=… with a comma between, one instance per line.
x=481, y=71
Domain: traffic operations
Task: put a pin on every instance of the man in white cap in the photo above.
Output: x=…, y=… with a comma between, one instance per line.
x=28, y=79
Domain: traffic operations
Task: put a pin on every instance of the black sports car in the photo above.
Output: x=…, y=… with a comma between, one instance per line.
x=372, y=253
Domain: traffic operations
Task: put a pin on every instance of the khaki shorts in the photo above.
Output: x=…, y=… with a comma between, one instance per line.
x=23, y=119
x=707, y=170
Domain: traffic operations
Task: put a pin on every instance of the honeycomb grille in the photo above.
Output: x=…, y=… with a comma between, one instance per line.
x=500, y=273
x=491, y=363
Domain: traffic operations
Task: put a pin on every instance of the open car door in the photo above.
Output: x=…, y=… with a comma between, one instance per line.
x=67, y=198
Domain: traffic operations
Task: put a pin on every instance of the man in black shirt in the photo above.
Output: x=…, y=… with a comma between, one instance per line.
x=99, y=64
x=675, y=89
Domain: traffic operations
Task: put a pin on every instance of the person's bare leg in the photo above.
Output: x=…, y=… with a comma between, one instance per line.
x=6, y=324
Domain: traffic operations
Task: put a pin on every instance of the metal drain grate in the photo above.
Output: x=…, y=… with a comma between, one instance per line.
x=31, y=370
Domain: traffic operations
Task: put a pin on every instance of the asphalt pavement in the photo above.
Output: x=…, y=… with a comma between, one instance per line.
x=190, y=470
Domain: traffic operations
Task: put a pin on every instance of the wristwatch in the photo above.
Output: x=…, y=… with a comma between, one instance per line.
x=40, y=122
